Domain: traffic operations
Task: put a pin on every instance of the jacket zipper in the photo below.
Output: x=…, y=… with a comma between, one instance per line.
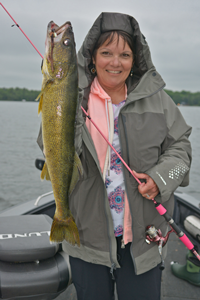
x=113, y=267
x=128, y=162
x=122, y=242
x=126, y=137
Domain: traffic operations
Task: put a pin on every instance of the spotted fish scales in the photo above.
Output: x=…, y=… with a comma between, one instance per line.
x=58, y=104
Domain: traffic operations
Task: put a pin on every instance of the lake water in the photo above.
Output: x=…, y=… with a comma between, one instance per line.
x=20, y=180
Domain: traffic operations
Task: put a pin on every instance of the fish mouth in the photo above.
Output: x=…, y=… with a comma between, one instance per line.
x=55, y=32
x=54, y=35
x=62, y=28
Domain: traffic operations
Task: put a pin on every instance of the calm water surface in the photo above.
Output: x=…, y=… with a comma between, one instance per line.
x=20, y=180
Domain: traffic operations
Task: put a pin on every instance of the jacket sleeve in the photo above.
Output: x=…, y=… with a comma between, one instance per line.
x=172, y=168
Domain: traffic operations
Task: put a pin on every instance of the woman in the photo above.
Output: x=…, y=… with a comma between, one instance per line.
x=123, y=93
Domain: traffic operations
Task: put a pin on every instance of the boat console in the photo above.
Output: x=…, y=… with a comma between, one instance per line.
x=31, y=267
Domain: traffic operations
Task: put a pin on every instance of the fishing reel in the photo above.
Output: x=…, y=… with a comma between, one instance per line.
x=155, y=235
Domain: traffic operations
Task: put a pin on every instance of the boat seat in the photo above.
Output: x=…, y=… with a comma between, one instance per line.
x=30, y=266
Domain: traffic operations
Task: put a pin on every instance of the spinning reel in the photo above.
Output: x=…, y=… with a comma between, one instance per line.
x=155, y=235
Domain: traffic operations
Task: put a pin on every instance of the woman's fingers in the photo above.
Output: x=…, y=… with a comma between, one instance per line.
x=148, y=189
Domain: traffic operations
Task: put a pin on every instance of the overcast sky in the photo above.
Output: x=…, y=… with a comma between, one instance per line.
x=171, y=28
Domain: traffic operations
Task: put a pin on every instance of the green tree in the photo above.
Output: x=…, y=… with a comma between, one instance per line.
x=18, y=94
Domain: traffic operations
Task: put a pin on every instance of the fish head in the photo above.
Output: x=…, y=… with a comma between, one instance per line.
x=60, y=50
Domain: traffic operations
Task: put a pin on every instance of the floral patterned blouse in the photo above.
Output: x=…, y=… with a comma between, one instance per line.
x=115, y=182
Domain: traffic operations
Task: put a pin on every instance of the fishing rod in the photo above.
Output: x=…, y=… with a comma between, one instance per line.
x=159, y=207
x=20, y=29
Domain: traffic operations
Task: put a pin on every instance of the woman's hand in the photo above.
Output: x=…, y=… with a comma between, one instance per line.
x=148, y=189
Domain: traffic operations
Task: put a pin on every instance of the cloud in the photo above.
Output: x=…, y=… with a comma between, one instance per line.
x=171, y=29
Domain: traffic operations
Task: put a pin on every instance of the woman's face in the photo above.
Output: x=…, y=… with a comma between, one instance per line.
x=113, y=63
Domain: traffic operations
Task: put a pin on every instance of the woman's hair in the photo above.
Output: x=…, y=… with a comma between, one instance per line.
x=109, y=36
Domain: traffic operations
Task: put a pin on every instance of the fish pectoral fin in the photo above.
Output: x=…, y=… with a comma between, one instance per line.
x=76, y=173
x=64, y=230
x=45, y=172
x=40, y=104
x=40, y=96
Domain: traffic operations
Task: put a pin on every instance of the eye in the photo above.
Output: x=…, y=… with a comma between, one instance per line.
x=66, y=42
x=105, y=53
x=126, y=55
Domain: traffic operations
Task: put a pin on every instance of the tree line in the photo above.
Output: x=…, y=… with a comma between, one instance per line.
x=185, y=97
x=19, y=94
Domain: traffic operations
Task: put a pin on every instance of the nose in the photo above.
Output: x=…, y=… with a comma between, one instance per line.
x=116, y=61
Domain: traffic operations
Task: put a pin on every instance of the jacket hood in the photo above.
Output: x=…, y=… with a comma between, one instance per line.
x=96, y=89
x=115, y=21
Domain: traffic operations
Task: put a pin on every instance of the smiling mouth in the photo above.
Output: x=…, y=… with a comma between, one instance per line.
x=114, y=72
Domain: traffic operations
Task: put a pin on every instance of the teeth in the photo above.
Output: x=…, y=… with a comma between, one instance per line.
x=114, y=72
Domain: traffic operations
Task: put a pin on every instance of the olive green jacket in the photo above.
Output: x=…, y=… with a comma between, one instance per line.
x=154, y=140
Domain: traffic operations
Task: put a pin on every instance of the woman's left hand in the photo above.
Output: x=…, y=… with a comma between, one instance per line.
x=148, y=189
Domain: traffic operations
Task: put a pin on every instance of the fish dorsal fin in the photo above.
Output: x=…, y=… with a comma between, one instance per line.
x=77, y=172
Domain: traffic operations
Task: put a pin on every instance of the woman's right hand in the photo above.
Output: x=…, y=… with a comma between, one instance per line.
x=148, y=189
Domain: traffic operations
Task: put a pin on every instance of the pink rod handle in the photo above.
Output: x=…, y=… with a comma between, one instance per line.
x=161, y=209
x=184, y=239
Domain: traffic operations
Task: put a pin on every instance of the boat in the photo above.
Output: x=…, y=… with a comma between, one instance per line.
x=33, y=269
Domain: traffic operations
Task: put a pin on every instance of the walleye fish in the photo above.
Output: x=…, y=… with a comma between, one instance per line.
x=58, y=103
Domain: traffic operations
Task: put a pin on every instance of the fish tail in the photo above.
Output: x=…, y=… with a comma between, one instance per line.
x=45, y=172
x=64, y=230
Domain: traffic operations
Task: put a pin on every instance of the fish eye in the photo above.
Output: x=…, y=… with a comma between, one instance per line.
x=66, y=42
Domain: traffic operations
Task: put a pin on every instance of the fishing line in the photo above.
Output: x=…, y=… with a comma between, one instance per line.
x=21, y=30
x=161, y=210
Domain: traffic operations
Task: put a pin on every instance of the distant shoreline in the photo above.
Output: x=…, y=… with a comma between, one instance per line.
x=183, y=98
x=23, y=100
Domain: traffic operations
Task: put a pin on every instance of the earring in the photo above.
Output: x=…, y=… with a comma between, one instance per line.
x=131, y=73
x=93, y=70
